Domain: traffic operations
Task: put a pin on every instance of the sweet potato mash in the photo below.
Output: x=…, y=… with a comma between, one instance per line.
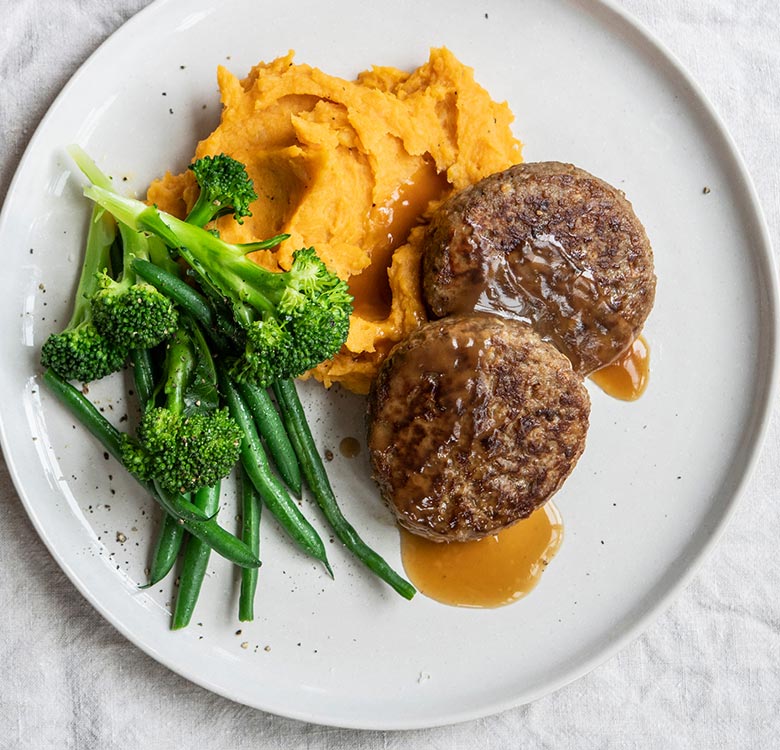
x=353, y=168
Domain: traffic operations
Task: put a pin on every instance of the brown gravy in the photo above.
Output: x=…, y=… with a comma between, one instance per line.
x=447, y=389
x=539, y=282
x=626, y=378
x=349, y=447
x=371, y=287
x=491, y=572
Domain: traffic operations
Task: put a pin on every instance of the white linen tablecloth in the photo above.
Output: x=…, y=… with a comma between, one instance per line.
x=706, y=674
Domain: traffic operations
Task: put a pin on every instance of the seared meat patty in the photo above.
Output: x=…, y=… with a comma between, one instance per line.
x=550, y=244
x=473, y=422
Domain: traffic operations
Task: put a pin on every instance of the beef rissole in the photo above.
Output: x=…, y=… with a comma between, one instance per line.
x=548, y=243
x=474, y=422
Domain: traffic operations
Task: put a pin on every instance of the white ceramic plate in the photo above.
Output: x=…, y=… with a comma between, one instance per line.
x=657, y=481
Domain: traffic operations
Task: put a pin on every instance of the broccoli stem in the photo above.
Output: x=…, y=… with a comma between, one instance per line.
x=247, y=282
x=102, y=231
x=202, y=212
x=159, y=255
x=143, y=248
x=135, y=245
x=87, y=165
x=174, y=232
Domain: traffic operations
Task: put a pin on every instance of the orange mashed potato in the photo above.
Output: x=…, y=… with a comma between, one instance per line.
x=353, y=168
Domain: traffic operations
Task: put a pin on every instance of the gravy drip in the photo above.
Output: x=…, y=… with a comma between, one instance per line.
x=491, y=572
x=626, y=378
x=395, y=219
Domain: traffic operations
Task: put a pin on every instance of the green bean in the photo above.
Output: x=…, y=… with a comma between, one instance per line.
x=275, y=496
x=143, y=375
x=176, y=504
x=251, y=509
x=317, y=479
x=195, y=563
x=204, y=527
x=223, y=542
x=166, y=549
x=85, y=411
x=271, y=428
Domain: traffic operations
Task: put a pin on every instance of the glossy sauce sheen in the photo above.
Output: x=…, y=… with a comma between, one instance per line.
x=448, y=382
x=491, y=572
x=551, y=244
x=395, y=220
x=539, y=282
x=626, y=378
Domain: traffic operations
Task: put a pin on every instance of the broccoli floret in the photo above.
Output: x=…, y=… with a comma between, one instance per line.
x=294, y=319
x=129, y=312
x=80, y=351
x=185, y=442
x=183, y=453
x=309, y=325
x=225, y=187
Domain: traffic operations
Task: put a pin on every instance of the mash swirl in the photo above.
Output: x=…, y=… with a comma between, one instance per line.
x=353, y=168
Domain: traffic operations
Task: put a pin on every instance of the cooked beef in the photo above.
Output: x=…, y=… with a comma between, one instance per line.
x=473, y=422
x=550, y=244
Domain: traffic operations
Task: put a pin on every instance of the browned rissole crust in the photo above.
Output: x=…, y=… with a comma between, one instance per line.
x=473, y=423
x=550, y=243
